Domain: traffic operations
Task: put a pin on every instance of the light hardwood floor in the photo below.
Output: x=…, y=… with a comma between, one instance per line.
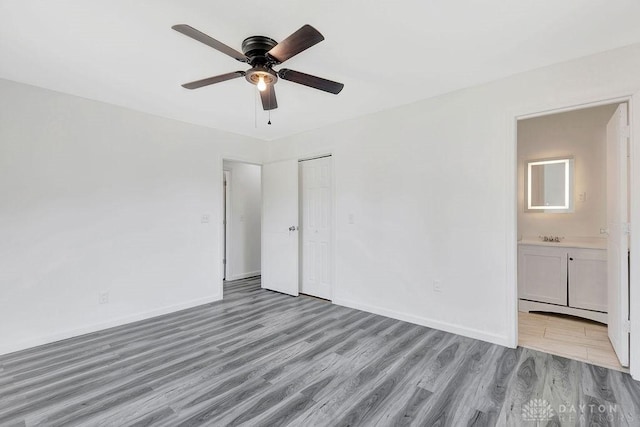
x=259, y=358
x=568, y=336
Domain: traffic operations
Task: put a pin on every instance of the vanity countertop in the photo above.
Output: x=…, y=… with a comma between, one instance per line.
x=569, y=242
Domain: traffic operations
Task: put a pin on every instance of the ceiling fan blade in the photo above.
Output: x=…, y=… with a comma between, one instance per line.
x=311, y=81
x=268, y=96
x=302, y=39
x=209, y=41
x=211, y=80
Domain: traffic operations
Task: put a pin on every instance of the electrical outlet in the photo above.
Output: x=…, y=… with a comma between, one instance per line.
x=437, y=285
x=582, y=197
x=351, y=218
x=205, y=219
x=103, y=298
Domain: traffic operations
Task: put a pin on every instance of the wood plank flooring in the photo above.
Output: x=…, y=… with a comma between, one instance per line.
x=259, y=358
x=568, y=336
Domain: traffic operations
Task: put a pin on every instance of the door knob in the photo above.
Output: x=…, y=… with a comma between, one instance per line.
x=293, y=228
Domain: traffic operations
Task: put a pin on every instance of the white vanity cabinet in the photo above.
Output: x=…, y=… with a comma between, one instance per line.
x=563, y=279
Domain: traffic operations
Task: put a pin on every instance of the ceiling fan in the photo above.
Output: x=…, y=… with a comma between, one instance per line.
x=263, y=53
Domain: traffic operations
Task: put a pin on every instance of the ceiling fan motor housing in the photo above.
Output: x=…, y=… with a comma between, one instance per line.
x=256, y=47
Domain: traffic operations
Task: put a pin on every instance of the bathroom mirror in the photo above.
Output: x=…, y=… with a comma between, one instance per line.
x=549, y=185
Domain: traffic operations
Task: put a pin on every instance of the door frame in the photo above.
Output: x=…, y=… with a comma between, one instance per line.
x=219, y=285
x=334, y=220
x=512, y=118
x=226, y=229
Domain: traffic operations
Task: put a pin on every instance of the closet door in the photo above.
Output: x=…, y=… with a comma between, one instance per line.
x=316, y=215
x=588, y=279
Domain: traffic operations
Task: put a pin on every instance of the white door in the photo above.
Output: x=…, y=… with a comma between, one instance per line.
x=316, y=222
x=618, y=242
x=279, y=227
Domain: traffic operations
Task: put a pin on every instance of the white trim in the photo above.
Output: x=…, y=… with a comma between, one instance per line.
x=618, y=99
x=221, y=249
x=237, y=159
x=227, y=244
x=120, y=321
x=334, y=226
x=502, y=340
x=634, y=238
x=244, y=275
x=527, y=306
x=511, y=230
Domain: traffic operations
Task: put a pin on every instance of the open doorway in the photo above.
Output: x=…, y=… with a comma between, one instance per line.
x=242, y=205
x=573, y=287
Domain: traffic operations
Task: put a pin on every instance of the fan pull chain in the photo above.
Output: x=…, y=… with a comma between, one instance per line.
x=269, y=122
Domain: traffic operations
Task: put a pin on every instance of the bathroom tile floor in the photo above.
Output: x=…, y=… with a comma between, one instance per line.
x=567, y=336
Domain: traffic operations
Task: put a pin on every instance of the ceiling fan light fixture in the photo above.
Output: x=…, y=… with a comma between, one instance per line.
x=261, y=77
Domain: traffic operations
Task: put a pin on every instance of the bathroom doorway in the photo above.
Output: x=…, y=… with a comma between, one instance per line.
x=573, y=206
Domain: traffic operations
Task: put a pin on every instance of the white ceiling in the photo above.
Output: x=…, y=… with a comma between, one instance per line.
x=386, y=52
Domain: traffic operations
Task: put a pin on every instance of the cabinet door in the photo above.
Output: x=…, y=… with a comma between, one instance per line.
x=588, y=279
x=542, y=274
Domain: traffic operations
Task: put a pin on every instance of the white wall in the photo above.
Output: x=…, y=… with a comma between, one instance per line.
x=243, y=230
x=95, y=197
x=581, y=134
x=98, y=198
x=432, y=187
